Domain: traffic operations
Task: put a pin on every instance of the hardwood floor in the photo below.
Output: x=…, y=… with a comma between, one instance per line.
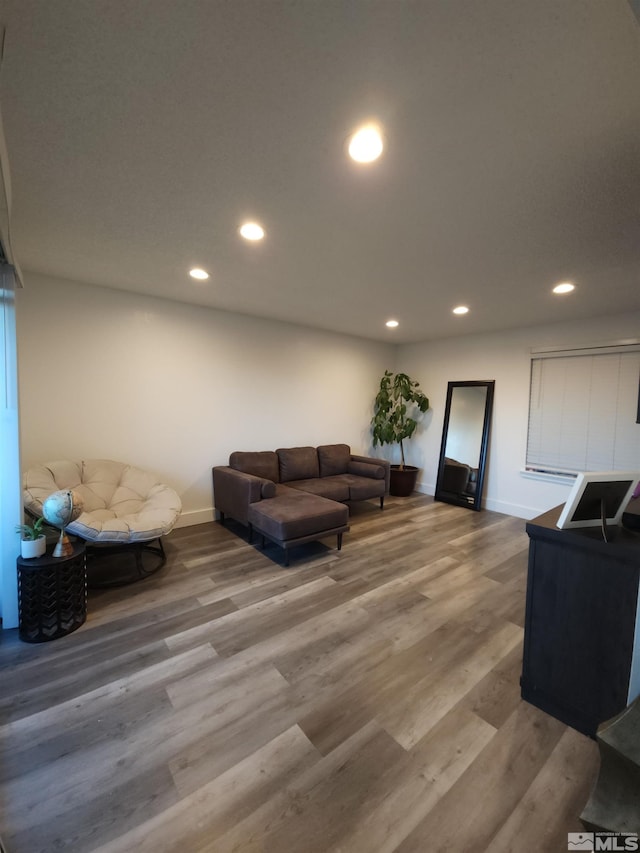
x=361, y=701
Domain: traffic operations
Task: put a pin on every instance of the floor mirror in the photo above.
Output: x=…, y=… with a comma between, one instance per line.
x=465, y=438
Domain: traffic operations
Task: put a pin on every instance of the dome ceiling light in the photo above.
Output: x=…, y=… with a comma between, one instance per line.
x=564, y=287
x=366, y=144
x=200, y=275
x=392, y=324
x=461, y=309
x=252, y=231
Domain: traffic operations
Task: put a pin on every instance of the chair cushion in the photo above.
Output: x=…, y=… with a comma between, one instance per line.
x=122, y=503
x=260, y=463
x=333, y=459
x=298, y=463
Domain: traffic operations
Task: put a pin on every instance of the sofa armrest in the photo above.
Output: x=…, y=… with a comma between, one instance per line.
x=376, y=464
x=233, y=491
x=366, y=469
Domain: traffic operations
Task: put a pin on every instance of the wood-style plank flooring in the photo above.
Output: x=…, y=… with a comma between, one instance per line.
x=362, y=701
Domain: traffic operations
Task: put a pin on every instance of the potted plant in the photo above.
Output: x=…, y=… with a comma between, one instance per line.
x=33, y=541
x=397, y=403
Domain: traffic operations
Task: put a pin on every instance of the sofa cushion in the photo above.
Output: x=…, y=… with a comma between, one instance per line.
x=333, y=459
x=334, y=488
x=260, y=463
x=298, y=463
x=363, y=488
x=295, y=515
x=283, y=490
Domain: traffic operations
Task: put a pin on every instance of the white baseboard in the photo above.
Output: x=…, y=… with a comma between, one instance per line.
x=203, y=516
x=515, y=510
x=195, y=516
x=505, y=508
x=426, y=488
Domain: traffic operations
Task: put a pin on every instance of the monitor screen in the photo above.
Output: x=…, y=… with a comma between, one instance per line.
x=598, y=497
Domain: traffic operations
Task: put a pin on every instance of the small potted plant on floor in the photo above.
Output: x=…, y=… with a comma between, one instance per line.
x=396, y=406
x=33, y=542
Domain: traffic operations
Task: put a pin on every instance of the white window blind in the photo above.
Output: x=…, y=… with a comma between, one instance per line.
x=583, y=407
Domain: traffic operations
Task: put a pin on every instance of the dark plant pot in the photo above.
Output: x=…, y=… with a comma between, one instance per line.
x=403, y=480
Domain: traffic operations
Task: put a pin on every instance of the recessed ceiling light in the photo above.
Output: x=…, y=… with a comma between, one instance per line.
x=366, y=144
x=461, y=309
x=564, y=287
x=392, y=324
x=201, y=275
x=252, y=231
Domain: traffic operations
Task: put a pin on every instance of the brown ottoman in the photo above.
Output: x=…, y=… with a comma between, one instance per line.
x=292, y=519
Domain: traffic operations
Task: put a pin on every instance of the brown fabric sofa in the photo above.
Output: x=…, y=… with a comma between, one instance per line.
x=459, y=478
x=272, y=490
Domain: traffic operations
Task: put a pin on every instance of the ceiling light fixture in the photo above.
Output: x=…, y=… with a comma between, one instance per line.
x=201, y=275
x=366, y=144
x=564, y=287
x=252, y=231
x=461, y=309
x=392, y=324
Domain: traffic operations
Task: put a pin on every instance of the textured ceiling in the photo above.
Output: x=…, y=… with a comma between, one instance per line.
x=140, y=135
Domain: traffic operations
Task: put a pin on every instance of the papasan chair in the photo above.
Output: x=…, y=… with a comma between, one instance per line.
x=125, y=509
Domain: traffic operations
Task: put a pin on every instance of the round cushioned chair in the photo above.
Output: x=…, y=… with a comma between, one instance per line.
x=124, y=506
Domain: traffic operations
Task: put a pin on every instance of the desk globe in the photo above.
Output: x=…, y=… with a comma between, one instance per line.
x=60, y=509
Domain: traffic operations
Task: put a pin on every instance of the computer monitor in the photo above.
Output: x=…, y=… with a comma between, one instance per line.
x=598, y=499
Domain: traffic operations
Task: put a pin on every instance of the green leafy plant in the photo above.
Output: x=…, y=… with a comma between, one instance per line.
x=32, y=531
x=395, y=409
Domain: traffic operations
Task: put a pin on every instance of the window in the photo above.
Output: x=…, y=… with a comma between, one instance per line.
x=582, y=410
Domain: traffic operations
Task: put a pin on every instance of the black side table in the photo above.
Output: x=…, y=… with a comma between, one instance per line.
x=52, y=595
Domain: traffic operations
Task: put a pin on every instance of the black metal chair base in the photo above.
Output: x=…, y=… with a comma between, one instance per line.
x=99, y=555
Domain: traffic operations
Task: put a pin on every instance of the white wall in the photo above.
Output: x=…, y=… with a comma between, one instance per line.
x=504, y=357
x=175, y=388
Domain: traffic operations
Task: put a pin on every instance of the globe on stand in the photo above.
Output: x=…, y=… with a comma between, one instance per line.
x=60, y=509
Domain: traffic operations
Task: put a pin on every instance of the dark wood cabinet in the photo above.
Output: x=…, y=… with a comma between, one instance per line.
x=581, y=660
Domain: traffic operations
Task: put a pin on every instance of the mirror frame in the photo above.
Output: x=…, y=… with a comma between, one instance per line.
x=452, y=497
